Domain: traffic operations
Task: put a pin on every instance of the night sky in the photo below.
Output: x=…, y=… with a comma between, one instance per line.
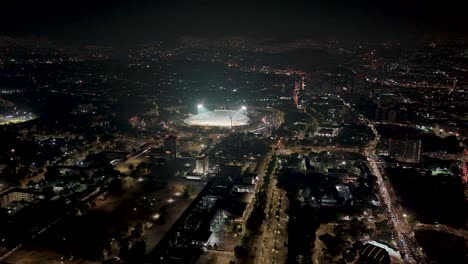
x=139, y=20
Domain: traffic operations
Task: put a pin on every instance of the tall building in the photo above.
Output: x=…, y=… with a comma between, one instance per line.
x=14, y=195
x=347, y=115
x=405, y=150
x=170, y=145
x=354, y=89
x=381, y=113
x=413, y=151
x=298, y=93
x=202, y=164
x=392, y=116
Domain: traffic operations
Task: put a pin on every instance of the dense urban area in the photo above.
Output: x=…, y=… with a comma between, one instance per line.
x=233, y=150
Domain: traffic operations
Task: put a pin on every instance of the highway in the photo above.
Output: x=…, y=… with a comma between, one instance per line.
x=464, y=169
x=300, y=149
x=270, y=243
x=406, y=241
x=443, y=228
x=274, y=228
x=261, y=175
x=405, y=236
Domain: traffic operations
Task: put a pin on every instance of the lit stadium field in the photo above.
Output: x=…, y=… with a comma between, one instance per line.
x=218, y=118
x=15, y=120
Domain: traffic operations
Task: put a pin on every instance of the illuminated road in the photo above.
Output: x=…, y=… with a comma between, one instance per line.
x=406, y=240
x=464, y=169
x=274, y=228
x=261, y=174
x=443, y=228
x=405, y=236
x=270, y=243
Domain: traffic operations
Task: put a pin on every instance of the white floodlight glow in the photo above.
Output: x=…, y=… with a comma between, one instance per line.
x=199, y=106
x=244, y=107
x=218, y=118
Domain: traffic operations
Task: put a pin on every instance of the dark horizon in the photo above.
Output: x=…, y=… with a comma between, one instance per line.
x=142, y=20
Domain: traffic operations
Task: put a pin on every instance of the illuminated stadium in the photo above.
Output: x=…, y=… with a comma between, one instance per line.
x=218, y=118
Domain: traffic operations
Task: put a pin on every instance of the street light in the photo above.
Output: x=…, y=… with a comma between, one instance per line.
x=244, y=107
x=199, y=106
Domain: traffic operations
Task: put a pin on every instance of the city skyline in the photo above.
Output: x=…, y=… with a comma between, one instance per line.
x=234, y=132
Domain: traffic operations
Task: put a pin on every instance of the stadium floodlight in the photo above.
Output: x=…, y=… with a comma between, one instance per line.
x=199, y=106
x=218, y=118
x=244, y=107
